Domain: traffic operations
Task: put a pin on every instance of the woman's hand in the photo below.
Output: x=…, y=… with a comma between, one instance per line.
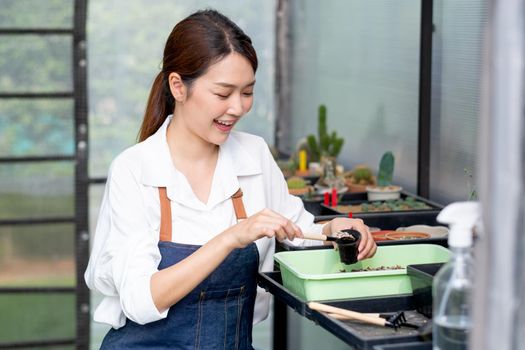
x=265, y=223
x=367, y=246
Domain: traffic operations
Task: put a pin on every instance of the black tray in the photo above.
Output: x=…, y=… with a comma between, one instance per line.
x=385, y=221
x=356, y=334
x=363, y=198
x=315, y=205
x=421, y=279
x=405, y=346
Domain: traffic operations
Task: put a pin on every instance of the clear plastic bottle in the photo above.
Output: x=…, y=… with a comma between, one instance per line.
x=453, y=283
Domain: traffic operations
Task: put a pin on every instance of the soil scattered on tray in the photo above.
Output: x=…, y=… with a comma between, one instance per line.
x=379, y=268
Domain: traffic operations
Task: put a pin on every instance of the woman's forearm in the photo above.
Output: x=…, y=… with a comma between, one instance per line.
x=170, y=285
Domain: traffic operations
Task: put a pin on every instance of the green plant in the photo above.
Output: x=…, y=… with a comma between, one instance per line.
x=296, y=182
x=472, y=193
x=362, y=174
x=326, y=144
x=386, y=169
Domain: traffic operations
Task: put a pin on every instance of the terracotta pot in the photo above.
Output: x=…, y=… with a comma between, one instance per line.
x=381, y=235
x=402, y=235
x=300, y=191
x=353, y=187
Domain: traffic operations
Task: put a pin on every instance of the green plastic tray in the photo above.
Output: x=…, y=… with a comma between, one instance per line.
x=316, y=274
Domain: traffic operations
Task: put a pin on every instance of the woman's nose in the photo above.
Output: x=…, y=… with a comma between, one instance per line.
x=235, y=107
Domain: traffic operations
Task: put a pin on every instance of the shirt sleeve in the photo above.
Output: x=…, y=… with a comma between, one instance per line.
x=125, y=253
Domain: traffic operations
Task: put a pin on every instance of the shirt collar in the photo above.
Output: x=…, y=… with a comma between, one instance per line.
x=158, y=170
x=234, y=161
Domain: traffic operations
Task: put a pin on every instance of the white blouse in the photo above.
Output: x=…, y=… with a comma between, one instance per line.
x=125, y=254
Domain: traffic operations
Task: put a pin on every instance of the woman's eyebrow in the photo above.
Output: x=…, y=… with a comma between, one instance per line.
x=228, y=85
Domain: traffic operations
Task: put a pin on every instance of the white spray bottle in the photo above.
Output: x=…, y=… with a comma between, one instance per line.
x=452, y=285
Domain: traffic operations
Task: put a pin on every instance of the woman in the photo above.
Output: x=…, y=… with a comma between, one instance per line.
x=178, y=244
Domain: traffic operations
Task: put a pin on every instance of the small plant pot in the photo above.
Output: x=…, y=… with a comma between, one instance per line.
x=383, y=193
x=302, y=173
x=348, y=247
x=301, y=191
x=353, y=188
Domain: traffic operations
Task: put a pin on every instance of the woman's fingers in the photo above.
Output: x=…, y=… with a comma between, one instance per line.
x=367, y=241
x=277, y=225
x=369, y=248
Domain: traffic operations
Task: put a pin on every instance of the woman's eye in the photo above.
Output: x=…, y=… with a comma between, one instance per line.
x=248, y=93
x=223, y=96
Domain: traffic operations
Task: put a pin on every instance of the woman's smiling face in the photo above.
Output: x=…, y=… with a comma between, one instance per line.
x=218, y=99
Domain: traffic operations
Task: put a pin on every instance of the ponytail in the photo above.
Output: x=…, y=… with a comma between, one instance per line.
x=160, y=105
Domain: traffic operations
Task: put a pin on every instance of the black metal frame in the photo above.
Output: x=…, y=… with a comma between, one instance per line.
x=425, y=98
x=80, y=159
x=81, y=173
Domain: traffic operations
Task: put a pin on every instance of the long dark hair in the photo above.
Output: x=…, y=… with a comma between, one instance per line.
x=195, y=43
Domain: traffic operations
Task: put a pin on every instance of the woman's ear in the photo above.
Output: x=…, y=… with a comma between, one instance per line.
x=177, y=87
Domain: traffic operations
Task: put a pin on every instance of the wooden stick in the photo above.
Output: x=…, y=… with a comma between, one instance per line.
x=343, y=317
x=315, y=236
x=339, y=317
x=347, y=313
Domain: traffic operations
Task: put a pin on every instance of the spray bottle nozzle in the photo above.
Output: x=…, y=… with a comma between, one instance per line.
x=461, y=217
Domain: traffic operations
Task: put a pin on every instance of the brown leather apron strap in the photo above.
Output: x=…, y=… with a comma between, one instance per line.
x=165, y=215
x=238, y=205
x=165, y=212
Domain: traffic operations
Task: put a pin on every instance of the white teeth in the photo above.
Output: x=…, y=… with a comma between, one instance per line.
x=224, y=123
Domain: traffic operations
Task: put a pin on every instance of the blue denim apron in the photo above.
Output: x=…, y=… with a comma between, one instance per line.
x=217, y=314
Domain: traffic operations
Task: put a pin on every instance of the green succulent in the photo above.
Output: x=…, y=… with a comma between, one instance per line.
x=295, y=182
x=362, y=174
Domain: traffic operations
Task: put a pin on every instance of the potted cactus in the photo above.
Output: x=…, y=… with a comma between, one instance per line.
x=384, y=189
x=298, y=186
x=325, y=149
x=359, y=178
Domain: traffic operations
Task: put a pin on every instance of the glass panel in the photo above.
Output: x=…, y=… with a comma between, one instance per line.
x=456, y=83
x=361, y=59
x=32, y=63
x=125, y=50
x=37, y=317
x=36, y=127
x=36, y=14
x=37, y=255
x=36, y=190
